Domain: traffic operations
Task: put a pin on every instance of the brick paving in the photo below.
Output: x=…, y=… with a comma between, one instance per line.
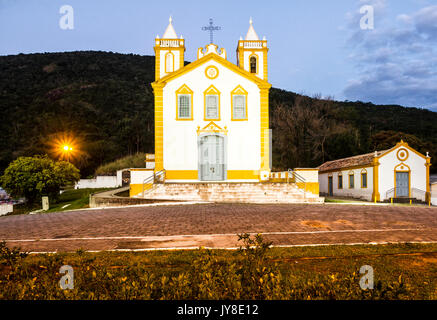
x=216, y=225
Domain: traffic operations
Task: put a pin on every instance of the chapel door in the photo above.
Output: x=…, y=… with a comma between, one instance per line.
x=211, y=149
x=330, y=186
x=402, y=184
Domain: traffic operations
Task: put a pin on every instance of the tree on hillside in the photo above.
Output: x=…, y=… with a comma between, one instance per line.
x=302, y=131
x=33, y=177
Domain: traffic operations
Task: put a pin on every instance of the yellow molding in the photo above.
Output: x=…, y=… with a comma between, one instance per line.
x=242, y=174
x=253, y=54
x=409, y=177
x=312, y=187
x=402, y=144
x=262, y=84
x=211, y=90
x=159, y=142
x=216, y=72
x=193, y=175
x=362, y=180
x=135, y=189
x=184, y=89
x=265, y=158
x=238, y=90
x=165, y=62
x=181, y=175
x=428, y=192
x=349, y=181
x=375, y=194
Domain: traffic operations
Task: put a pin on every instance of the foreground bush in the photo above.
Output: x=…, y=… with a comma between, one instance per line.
x=248, y=273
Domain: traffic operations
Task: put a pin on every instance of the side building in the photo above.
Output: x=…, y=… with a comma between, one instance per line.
x=399, y=172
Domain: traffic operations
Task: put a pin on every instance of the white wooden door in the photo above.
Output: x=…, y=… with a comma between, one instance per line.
x=211, y=149
x=402, y=184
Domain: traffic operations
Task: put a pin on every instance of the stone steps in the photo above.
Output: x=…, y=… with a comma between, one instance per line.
x=233, y=192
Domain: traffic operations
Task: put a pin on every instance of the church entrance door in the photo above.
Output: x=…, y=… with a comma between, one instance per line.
x=212, y=164
x=402, y=184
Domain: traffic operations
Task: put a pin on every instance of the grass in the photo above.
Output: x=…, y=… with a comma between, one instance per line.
x=74, y=199
x=401, y=271
x=137, y=160
x=71, y=199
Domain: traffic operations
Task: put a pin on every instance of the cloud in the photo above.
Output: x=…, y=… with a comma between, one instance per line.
x=396, y=61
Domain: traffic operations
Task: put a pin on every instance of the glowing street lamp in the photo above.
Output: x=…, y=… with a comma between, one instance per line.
x=67, y=151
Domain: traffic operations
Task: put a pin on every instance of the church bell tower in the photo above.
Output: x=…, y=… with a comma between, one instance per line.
x=252, y=53
x=169, y=52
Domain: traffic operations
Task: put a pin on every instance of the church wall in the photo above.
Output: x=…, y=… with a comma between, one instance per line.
x=180, y=136
x=387, y=166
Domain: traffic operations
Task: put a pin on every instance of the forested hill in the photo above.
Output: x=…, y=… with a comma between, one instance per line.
x=104, y=102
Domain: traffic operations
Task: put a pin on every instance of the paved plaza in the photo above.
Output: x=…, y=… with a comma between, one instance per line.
x=217, y=225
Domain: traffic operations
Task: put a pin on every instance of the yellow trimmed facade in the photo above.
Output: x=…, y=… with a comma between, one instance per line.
x=234, y=128
x=212, y=125
x=399, y=172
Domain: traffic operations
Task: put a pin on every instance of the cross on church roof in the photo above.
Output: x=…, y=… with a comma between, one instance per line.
x=211, y=28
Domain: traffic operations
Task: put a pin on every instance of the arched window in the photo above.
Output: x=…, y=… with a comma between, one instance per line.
x=253, y=64
x=169, y=62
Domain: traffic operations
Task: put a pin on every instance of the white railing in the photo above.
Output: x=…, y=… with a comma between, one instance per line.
x=253, y=44
x=418, y=194
x=169, y=43
x=150, y=183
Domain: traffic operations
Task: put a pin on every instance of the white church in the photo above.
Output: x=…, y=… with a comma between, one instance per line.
x=212, y=137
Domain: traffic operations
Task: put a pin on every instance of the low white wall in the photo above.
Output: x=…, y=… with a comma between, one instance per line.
x=6, y=208
x=98, y=182
x=433, y=190
x=309, y=174
x=139, y=175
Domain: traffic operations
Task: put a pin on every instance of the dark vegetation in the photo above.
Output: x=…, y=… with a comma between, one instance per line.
x=255, y=271
x=104, y=100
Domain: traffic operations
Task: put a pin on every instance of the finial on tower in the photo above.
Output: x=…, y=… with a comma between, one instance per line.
x=170, y=32
x=251, y=34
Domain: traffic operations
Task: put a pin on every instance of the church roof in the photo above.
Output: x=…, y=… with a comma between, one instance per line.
x=251, y=34
x=212, y=56
x=355, y=161
x=170, y=32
